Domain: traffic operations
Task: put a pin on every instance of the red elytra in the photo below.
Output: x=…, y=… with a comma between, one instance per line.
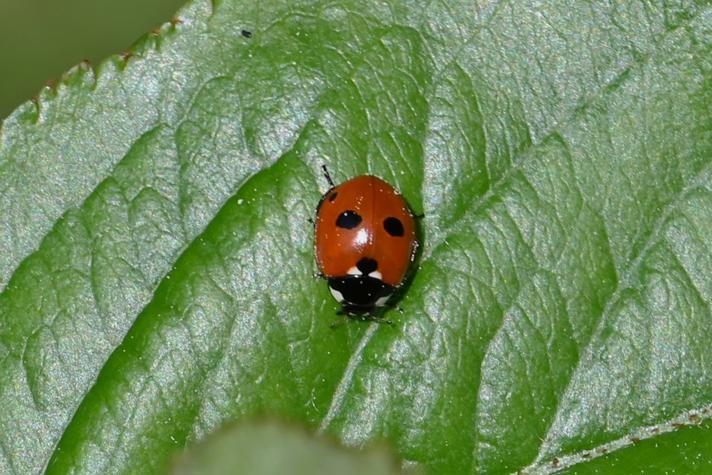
x=365, y=242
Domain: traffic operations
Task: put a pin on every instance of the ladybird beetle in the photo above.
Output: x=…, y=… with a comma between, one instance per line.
x=365, y=242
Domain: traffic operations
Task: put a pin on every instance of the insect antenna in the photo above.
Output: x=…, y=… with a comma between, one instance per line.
x=327, y=175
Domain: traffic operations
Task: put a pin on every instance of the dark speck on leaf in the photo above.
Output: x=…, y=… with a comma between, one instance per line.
x=246, y=33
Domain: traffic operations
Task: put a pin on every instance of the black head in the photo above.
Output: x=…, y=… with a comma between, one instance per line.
x=360, y=294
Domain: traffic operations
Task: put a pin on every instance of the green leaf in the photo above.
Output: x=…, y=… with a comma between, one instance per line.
x=157, y=270
x=684, y=450
x=267, y=447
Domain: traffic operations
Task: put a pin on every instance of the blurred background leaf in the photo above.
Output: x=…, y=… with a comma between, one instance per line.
x=266, y=447
x=40, y=40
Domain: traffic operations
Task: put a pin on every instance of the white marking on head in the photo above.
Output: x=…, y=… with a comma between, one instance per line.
x=376, y=275
x=381, y=302
x=354, y=271
x=337, y=295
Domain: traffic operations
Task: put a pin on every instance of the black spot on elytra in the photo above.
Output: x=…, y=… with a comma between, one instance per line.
x=393, y=226
x=332, y=196
x=348, y=219
x=367, y=265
